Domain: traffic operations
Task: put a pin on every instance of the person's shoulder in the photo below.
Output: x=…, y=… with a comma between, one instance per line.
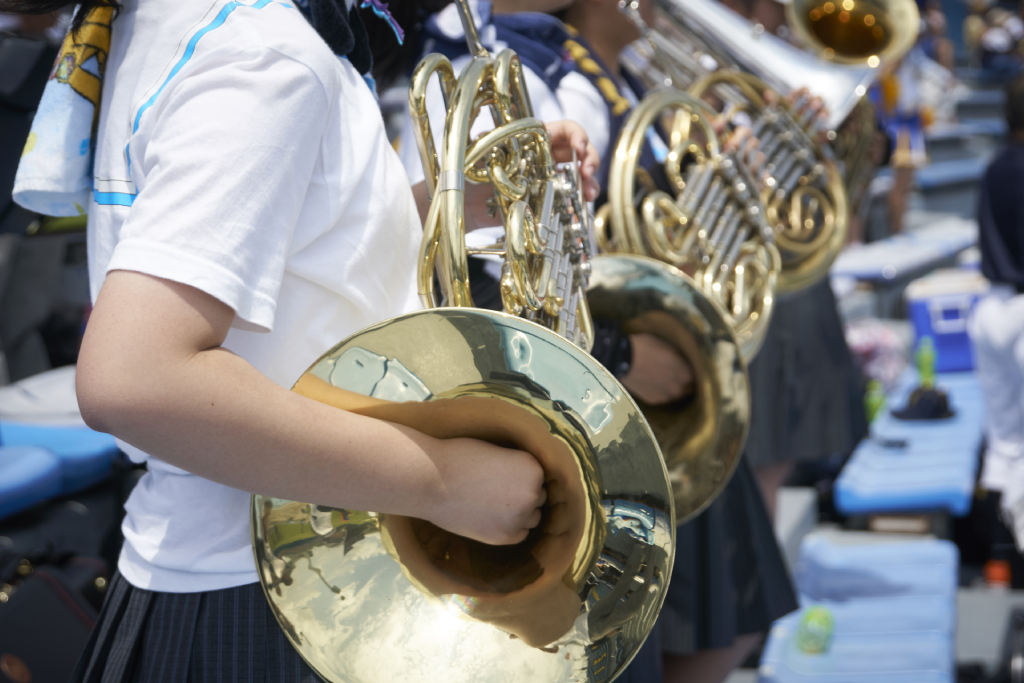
x=267, y=30
x=579, y=85
x=1010, y=160
x=1005, y=170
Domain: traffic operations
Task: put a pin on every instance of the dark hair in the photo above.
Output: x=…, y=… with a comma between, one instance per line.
x=1015, y=104
x=391, y=61
x=47, y=6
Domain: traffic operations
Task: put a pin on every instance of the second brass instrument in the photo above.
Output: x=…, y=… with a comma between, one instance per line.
x=802, y=187
x=698, y=271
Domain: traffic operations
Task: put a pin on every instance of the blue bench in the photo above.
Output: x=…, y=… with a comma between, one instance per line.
x=894, y=611
x=902, y=256
x=942, y=174
x=917, y=465
x=28, y=476
x=85, y=456
x=994, y=127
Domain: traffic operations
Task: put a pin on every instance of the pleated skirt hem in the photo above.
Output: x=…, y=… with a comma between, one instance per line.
x=223, y=636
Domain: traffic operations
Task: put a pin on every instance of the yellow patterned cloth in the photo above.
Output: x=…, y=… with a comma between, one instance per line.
x=55, y=174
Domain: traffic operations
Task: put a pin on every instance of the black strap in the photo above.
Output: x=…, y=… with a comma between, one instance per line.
x=342, y=30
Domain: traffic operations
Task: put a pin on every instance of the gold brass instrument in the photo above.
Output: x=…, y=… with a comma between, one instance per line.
x=721, y=37
x=870, y=32
x=846, y=41
x=708, y=289
x=371, y=597
x=719, y=234
x=802, y=188
x=715, y=229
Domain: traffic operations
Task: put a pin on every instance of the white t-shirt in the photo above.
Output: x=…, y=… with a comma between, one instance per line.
x=236, y=154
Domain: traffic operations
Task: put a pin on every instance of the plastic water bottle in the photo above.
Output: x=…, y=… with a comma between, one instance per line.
x=874, y=400
x=814, y=632
x=925, y=359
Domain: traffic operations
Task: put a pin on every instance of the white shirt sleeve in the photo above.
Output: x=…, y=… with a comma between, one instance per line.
x=582, y=103
x=223, y=167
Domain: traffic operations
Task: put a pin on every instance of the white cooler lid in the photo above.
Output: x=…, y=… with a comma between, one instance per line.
x=947, y=282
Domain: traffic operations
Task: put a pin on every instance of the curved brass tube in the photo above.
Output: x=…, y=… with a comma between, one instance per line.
x=367, y=597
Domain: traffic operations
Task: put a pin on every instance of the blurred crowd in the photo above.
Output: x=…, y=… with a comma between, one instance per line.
x=992, y=37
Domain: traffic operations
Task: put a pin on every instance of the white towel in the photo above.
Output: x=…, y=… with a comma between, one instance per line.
x=55, y=174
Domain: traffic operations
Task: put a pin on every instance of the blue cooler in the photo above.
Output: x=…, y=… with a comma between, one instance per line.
x=939, y=306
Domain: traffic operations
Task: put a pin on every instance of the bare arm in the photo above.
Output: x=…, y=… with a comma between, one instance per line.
x=153, y=373
x=658, y=373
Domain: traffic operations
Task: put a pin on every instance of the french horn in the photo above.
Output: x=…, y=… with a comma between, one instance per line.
x=702, y=280
x=371, y=597
x=803, y=188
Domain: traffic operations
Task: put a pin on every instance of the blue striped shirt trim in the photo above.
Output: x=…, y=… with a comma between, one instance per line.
x=122, y=199
x=113, y=198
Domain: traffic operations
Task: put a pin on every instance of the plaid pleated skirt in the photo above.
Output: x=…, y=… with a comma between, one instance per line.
x=223, y=636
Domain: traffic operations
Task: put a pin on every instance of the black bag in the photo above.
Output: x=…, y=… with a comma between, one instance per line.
x=45, y=616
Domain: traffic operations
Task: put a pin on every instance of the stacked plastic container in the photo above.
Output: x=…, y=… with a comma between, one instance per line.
x=926, y=465
x=894, y=614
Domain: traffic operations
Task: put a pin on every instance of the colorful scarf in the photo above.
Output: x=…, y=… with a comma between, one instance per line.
x=55, y=176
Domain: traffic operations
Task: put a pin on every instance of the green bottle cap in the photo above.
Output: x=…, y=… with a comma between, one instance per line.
x=874, y=399
x=814, y=632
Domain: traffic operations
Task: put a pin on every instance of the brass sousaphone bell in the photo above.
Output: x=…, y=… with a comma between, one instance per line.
x=368, y=597
x=858, y=32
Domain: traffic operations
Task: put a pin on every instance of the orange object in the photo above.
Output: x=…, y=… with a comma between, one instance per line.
x=890, y=85
x=927, y=116
x=997, y=573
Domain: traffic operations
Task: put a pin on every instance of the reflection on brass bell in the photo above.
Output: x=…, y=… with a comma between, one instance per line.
x=15, y=669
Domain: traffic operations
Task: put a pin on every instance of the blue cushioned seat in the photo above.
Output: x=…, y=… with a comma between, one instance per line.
x=921, y=465
x=86, y=456
x=28, y=475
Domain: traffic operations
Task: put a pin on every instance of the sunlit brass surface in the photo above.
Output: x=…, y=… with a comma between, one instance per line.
x=870, y=32
x=803, y=191
x=708, y=288
x=702, y=439
x=373, y=598
x=367, y=597
x=545, y=248
x=714, y=229
x=802, y=186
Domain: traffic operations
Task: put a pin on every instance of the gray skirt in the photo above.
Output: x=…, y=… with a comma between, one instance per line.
x=729, y=578
x=807, y=392
x=223, y=636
